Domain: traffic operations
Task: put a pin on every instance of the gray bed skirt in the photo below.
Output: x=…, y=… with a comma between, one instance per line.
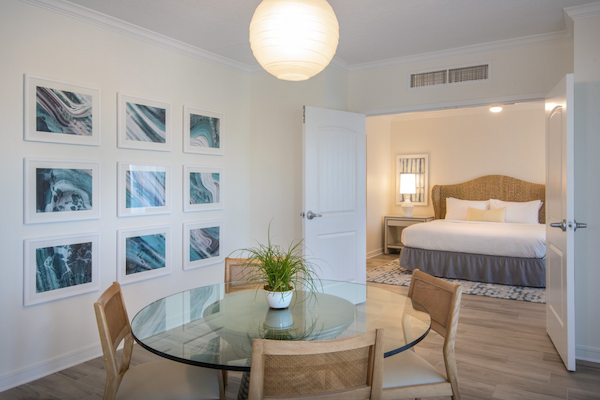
x=476, y=267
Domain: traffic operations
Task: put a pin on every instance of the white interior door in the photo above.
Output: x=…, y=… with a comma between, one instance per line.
x=560, y=232
x=334, y=203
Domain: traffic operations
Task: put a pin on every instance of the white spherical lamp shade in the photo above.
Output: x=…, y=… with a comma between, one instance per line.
x=294, y=40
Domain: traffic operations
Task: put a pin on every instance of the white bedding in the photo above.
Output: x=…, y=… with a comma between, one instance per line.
x=490, y=238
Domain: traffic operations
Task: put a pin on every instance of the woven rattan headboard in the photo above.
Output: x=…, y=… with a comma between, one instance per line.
x=489, y=187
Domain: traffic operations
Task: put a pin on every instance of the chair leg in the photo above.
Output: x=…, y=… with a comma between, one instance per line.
x=224, y=377
x=222, y=386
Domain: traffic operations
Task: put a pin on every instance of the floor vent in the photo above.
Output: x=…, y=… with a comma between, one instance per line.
x=449, y=76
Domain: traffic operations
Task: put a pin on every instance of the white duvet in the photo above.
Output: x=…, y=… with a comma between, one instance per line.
x=497, y=239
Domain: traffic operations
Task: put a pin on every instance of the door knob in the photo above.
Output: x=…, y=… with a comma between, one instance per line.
x=562, y=225
x=311, y=215
x=579, y=225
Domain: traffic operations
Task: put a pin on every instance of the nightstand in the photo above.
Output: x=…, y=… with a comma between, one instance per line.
x=393, y=226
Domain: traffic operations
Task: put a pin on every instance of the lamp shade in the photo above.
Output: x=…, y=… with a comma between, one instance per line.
x=408, y=183
x=294, y=40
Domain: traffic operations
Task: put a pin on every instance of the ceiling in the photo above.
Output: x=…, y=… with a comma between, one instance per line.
x=371, y=31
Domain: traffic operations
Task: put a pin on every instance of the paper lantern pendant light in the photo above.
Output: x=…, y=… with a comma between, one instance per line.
x=294, y=40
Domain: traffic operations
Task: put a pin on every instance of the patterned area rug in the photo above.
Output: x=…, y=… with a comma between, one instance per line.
x=393, y=274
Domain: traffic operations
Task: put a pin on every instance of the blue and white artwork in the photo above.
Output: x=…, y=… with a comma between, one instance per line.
x=203, y=131
x=61, y=112
x=145, y=253
x=145, y=123
x=59, y=267
x=64, y=112
x=202, y=188
x=205, y=187
x=145, y=189
x=202, y=244
x=62, y=189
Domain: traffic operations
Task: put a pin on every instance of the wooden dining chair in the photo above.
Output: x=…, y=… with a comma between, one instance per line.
x=234, y=274
x=407, y=375
x=348, y=368
x=160, y=380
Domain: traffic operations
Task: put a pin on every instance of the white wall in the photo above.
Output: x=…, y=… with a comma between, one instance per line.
x=516, y=74
x=276, y=148
x=587, y=187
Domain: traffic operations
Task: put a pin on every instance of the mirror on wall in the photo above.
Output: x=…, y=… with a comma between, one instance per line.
x=409, y=165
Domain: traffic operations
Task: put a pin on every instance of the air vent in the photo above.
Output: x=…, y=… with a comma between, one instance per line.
x=450, y=76
x=428, y=78
x=465, y=74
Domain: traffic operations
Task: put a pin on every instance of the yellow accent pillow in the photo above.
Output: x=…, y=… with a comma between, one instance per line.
x=495, y=215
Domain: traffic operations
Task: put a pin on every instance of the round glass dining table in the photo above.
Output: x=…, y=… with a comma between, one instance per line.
x=213, y=326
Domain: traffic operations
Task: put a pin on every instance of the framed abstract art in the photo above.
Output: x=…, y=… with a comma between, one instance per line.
x=202, y=131
x=60, y=267
x=143, y=123
x=61, y=190
x=143, y=189
x=143, y=253
x=202, y=244
x=61, y=112
x=202, y=188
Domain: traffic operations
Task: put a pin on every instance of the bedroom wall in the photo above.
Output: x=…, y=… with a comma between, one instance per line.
x=465, y=144
x=262, y=168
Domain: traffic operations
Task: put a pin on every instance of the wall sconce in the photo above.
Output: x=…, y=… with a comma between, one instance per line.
x=408, y=186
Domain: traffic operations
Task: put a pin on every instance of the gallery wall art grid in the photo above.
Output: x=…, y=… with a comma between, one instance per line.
x=62, y=190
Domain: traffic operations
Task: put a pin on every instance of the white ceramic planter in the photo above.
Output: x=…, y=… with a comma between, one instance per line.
x=279, y=300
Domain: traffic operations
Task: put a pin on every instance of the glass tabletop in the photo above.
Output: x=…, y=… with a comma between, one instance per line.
x=213, y=326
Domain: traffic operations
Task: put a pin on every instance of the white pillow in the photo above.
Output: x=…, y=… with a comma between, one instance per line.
x=457, y=209
x=519, y=212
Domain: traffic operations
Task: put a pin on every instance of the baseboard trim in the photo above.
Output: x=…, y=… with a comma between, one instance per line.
x=374, y=253
x=590, y=354
x=37, y=371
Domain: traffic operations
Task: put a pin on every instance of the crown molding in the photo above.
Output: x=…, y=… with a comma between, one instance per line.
x=526, y=41
x=134, y=31
x=584, y=11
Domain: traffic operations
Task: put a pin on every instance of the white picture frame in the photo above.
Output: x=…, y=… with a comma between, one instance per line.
x=57, y=99
x=202, y=244
x=60, y=190
x=202, y=131
x=60, y=267
x=143, y=189
x=143, y=124
x=143, y=253
x=202, y=188
x=419, y=165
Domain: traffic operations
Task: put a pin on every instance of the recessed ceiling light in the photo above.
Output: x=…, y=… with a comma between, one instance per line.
x=495, y=109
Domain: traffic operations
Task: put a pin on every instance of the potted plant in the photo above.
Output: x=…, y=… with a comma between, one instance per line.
x=281, y=270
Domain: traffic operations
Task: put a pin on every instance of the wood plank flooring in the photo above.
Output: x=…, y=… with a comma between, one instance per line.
x=503, y=352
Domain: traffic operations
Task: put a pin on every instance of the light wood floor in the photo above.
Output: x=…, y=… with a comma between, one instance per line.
x=502, y=350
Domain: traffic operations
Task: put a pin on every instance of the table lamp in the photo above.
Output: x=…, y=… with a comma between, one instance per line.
x=408, y=186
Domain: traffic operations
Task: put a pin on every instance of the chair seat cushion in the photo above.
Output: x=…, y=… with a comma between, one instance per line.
x=409, y=369
x=169, y=380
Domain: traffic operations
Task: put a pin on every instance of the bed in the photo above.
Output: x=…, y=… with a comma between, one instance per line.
x=507, y=253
